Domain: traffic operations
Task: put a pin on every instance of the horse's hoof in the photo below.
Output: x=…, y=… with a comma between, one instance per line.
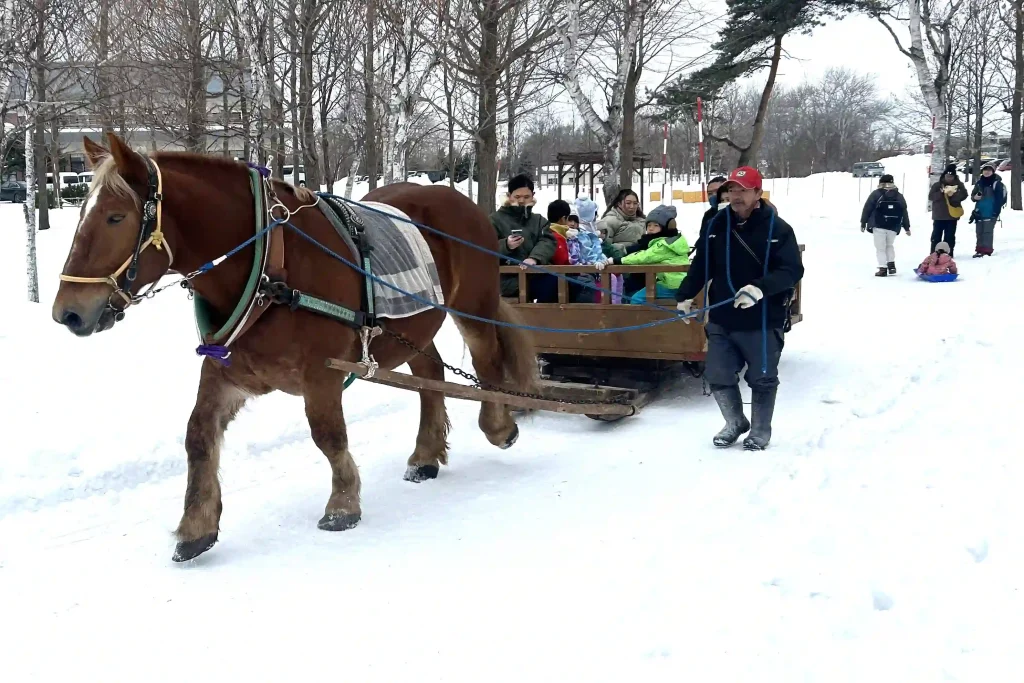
x=512, y=438
x=338, y=522
x=418, y=473
x=190, y=550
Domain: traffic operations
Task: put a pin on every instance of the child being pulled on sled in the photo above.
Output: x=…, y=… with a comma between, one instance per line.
x=939, y=262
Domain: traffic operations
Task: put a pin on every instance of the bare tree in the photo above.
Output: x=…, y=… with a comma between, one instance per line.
x=928, y=21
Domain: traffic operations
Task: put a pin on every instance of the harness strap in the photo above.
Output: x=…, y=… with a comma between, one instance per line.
x=268, y=261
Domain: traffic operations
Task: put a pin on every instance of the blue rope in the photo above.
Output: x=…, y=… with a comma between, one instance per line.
x=732, y=288
x=561, y=276
x=764, y=302
x=558, y=330
x=210, y=265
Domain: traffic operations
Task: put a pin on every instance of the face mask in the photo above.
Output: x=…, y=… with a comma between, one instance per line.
x=713, y=200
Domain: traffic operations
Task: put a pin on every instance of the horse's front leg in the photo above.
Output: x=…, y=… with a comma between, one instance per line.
x=322, y=394
x=217, y=403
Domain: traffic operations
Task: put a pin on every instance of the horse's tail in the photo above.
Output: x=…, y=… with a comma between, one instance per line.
x=518, y=356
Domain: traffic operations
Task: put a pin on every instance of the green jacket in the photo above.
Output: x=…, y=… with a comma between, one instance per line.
x=621, y=231
x=538, y=242
x=673, y=251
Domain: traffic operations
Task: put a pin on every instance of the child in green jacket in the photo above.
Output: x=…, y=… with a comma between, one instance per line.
x=662, y=243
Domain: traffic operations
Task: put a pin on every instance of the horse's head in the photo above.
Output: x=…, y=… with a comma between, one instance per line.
x=111, y=256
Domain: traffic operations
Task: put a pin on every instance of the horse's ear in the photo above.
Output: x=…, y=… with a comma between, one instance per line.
x=94, y=153
x=130, y=165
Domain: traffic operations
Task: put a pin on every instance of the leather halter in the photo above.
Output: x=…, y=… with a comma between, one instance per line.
x=150, y=235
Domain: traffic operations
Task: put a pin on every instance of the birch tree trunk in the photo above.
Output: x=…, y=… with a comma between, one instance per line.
x=38, y=157
x=369, y=103
x=31, y=263
x=308, y=24
x=1016, y=177
x=932, y=96
x=608, y=132
x=351, y=180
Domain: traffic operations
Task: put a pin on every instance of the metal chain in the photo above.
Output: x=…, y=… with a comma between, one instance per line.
x=479, y=383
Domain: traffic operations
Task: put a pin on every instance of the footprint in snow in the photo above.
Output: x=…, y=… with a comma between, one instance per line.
x=881, y=601
x=980, y=551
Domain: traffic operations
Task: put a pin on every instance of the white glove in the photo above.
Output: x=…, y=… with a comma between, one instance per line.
x=571, y=233
x=686, y=308
x=601, y=264
x=747, y=296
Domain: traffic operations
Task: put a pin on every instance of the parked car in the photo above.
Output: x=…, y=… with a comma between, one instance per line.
x=868, y=169
x=86, y=177
x=13, y=191
x=1005, y=165
x=288, y=173
x=67, y=179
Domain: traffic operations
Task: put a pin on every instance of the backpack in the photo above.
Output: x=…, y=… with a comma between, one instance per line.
x=889, y=212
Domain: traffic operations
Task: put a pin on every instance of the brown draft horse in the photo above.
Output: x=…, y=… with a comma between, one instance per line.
x=207, y=209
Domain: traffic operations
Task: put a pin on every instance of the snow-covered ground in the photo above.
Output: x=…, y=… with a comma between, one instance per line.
x=878, y=539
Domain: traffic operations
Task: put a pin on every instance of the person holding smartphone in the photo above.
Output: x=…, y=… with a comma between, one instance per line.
x=525, y=236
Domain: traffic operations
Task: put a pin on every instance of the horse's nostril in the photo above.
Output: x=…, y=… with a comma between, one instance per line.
x=71, y=320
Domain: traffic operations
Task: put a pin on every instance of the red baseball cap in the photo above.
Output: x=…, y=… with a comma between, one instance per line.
x=746, y=177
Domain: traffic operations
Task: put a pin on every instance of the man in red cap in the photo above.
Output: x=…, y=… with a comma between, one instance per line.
x=750, y=258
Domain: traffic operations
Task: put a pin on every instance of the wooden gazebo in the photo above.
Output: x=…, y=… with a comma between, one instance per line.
x=578, y=161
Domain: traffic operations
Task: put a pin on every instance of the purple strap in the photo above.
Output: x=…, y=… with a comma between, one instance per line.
x=264, y=171
x=216, y=352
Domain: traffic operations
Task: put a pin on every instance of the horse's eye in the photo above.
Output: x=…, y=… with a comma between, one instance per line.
x=116, y=218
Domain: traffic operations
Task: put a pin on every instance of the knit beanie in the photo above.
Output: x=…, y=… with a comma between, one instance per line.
x=942, y=246
x=662, y=215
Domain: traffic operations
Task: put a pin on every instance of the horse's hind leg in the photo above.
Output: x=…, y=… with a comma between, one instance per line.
x=432, y=440
x=217, y=403
x=322, y=394
x=495, y=421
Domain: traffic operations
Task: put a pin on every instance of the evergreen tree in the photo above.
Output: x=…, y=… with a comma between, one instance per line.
x=750, y=41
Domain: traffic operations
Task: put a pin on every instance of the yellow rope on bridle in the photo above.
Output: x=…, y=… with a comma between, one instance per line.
x=157, y=240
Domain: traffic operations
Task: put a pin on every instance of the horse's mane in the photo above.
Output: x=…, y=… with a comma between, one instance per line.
x=106, y=175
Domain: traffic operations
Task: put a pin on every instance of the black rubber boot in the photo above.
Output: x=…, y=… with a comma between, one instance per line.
x=730, y=402
x=762, y=406
x=882, y=271
x=892, y=268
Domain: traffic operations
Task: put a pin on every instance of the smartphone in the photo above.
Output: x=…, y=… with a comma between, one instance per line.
x=517, y=231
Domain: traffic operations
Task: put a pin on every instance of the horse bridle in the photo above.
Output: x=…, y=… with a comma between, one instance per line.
x=150, y=234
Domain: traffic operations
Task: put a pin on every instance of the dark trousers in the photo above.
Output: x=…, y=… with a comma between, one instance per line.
x=729, y=351
x=944, y=231
x=985, y=228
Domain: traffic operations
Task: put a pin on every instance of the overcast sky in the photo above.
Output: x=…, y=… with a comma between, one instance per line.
x=856, y=42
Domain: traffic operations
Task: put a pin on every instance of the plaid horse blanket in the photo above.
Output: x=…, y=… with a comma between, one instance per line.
x=398, y=254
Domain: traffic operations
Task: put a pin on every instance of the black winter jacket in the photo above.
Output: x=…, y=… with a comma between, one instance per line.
x=867, y=216
x=785, y=267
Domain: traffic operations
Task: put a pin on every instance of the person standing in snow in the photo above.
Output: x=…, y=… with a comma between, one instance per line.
x=751, y=258
x=989, y=196
x=884, y=215
x=947, y=197
x=586, y=209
